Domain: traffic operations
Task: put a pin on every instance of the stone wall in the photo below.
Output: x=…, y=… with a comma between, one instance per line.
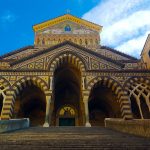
x=137, y=127
x=13, y=124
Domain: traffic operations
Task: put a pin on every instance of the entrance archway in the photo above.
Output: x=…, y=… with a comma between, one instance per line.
x=31, y=103
x=103, y=103
x=67, y=91
x=67, y=116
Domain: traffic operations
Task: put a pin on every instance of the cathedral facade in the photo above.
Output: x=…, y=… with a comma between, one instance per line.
x=68, y=79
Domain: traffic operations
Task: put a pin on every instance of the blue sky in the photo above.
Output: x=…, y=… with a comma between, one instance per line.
x=126, y=23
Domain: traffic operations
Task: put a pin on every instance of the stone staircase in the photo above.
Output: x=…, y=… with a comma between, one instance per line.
x=71, y=138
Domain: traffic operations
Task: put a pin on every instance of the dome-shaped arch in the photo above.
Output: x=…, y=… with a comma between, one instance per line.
x=67, y=57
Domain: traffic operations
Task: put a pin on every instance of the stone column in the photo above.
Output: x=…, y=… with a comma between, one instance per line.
x=85, y=100
x=51, y=83
x=47, y=114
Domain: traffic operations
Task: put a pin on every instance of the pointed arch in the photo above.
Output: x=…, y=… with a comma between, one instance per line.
x=37, y=81
x=118, y=90
x=109, y=82
x=138, y=89
x=4, y=87
x=17, y=87
x=67, y=57
x=4, y=82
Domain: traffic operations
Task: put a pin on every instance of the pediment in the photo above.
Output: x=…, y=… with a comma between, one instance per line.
x=59, y=28
x=64, y=18
x=42, y=60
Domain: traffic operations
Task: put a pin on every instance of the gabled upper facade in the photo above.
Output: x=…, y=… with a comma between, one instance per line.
x=68, y=28
x=81, y=36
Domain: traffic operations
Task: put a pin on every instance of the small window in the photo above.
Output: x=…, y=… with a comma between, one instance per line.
x=80, y=42
x=43, y=41
x=38, y=41
x=86, y=42
x=149, y=53
x=67, y=28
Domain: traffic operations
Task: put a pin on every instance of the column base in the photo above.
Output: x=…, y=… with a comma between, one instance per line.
x=87, y=124
x=46, y=125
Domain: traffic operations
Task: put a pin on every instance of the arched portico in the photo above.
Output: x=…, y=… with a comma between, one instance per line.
x=109, y=96
x=67, y=85
x=67, y=57
x=31, y=96
x=138, y=89
x=4, y=86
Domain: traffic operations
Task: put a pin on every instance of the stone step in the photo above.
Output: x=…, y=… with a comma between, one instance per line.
x=71, y=138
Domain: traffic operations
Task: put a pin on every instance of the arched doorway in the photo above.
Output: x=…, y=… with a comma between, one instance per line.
x=31, y=103
x=102, y=104
x=67, y=91
x=67, y=116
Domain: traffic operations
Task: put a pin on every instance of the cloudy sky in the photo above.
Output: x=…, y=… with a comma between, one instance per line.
x=126, y=23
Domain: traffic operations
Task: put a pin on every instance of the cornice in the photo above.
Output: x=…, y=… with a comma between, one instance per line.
x=66, y=17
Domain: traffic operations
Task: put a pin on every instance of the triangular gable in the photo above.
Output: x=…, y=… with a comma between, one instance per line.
x=66, y=17
x=39, y=60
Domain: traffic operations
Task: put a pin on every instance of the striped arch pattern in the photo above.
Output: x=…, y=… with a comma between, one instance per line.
x=17, y=88
x=4, y=87
x=122, y=96
x=67, y=58
x=137, y=87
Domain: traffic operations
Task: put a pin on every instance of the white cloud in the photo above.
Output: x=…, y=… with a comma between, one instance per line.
x=132, y=46
x=127, y=28
x=8, y=17
x=109, y=11
x=124, y=22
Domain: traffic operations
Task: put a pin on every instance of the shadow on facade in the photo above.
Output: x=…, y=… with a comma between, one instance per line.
x=102, y=104
x=30, y=103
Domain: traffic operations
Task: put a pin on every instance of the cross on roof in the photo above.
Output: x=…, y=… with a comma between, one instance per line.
x=68, y=11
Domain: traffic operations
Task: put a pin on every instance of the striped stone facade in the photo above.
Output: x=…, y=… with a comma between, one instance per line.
x=124, y=75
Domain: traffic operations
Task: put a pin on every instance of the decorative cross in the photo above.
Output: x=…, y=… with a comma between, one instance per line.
x=68, y=11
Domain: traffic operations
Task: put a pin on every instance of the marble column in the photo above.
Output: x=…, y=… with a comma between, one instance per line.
x=85, y=100
x=47, y=115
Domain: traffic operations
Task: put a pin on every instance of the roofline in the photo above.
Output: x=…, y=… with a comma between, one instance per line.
x=16, y=51
x=72, y=44
x=118, y=52
x=97, y=25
